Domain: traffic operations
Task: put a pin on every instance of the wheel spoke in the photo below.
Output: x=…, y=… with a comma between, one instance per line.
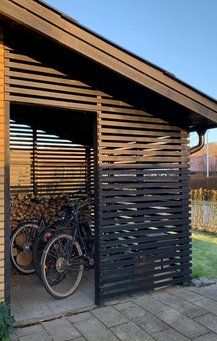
x=22, y=239
x=64, y=266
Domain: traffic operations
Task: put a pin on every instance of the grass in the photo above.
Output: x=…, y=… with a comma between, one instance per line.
x=204, y=252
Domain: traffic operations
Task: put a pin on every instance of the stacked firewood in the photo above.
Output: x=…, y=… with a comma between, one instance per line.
x=22, y=208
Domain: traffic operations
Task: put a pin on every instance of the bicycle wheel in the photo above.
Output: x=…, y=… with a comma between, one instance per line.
x=21, y=246
x=61, y=266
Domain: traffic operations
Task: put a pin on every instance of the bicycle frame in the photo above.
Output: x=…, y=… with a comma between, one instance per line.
x=72, y=218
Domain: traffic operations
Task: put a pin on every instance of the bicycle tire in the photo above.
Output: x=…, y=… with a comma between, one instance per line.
x=44, y=258
x=26, y=250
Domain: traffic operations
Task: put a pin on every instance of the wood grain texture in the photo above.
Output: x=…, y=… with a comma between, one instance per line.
x=140, y=169
x=54, y=25
x=2, y=169
x=144, y=234
x=46, y=165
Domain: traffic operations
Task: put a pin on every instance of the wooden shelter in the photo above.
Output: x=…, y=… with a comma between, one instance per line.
x=131, y=118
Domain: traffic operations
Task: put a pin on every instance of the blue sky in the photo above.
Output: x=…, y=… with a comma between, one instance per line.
x=177, y=35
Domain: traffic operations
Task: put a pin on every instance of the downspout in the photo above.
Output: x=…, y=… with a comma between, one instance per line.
x=200, y=144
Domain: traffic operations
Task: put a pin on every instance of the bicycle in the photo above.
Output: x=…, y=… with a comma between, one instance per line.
x=48, y=231
x=22, y=239
x=67, y=254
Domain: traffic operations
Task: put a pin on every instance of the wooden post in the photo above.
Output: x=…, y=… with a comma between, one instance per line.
x=96, y=206
x=4, y=182
x=34, y=161
x=7, y=201
x=88, y=170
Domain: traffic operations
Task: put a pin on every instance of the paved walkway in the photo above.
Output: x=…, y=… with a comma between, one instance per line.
x=30, y=301
x=173, y=314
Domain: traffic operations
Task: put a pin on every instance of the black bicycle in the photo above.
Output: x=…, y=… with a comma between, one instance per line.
x=23, y=237
x=68, y=253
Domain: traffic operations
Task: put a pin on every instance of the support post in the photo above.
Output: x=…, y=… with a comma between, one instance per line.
x=88, y=170
x=34, y=160
x=7, y=226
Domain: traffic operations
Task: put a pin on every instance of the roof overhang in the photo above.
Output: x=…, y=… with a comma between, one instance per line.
x=38, y=16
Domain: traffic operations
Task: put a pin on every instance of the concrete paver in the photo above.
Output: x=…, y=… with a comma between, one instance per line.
x=180, y=305
x=80, y=317
x=130, y=331
x=150, y=304
x=168, y=315
x=29, y=330
x=170, y=335
x=61, y=329
x=209, y=291
x=109, y=316
x=93, y=329
x=208, y=304
x=42, y=336
x=182, y=323
x=130, y=309
x=185, y=294
x=207, y=337
x=208, y=320
x=150, y=323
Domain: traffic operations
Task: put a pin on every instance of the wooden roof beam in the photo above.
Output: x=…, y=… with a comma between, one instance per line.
x=48, y=22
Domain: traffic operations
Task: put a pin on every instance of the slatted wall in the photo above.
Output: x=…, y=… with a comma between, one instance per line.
x=2, y=170
x=21, y=158
x=60, y=166
x=45, y=164
x=143, y=203
x=30, y=81
x=141, y=174
x=4, y=178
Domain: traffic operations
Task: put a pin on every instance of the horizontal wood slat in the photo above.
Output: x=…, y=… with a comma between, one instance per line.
x=2, y=171
x=78, y=39
x=45, y=163
x=144, y=239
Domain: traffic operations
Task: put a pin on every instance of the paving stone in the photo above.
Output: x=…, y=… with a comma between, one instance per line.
x=207, y=337
x=182, y=323
x=80, y=317
x=170, y=335
x=60, y=329
x=180, y=305
x=150, y=323
x=29, y=330
x=208, y=304
x=186, y=294
x=130, y=309
x=209, y=320
x=37, y=337
x=159, y=316
x=130, y=332
x=94, y=330
x=109, y=316
x=150, y=304
x=210, y=292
